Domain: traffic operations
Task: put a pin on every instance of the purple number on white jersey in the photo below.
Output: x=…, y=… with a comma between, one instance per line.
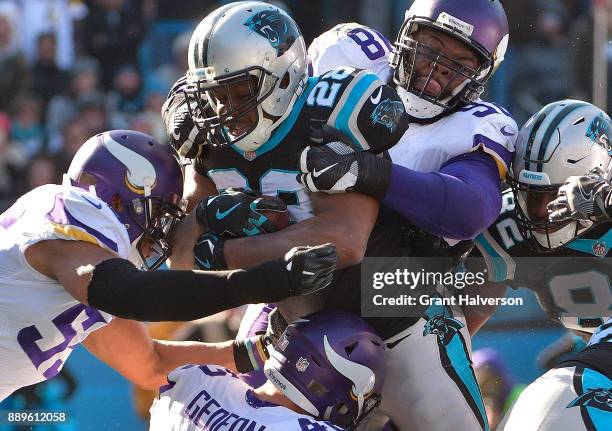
x=368, y=43
x=28, y=337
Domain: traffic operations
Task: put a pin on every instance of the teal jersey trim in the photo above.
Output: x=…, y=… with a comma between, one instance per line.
x=460, y=362
x=500, y=267
x=357, y=93
x=588, y=245
x=286, y=126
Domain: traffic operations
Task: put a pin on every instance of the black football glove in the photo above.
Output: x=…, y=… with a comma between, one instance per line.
x=336, y=167
x=587, y=197
x=236, y=212
x=184, y=136
x=208, y=253
x=310, y=268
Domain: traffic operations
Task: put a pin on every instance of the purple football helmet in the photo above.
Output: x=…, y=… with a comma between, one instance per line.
x=140, y=179
x=331, y=364
x=480, y=24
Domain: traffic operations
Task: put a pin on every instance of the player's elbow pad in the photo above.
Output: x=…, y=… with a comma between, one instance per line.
x=120, y=289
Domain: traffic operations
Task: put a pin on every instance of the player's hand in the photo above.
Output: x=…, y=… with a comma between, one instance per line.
x=182, y=133
x=208, y=253
x=238, y=213
x=582, y=198
x=336, y=167
x=310, y=268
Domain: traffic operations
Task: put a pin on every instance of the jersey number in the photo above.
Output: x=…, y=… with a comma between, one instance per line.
x=30, y=337
x=324, y=92
x=368, y=43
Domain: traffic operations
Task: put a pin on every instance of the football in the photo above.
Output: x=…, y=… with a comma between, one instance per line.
x=279, y=217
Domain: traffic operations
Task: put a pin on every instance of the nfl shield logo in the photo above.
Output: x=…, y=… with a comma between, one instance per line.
x=302, y=364
x=600, y=249
x=250, y=155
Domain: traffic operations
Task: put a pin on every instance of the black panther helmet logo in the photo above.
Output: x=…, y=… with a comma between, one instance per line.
x=443, y=327
x=597, y=398
x=280, y=31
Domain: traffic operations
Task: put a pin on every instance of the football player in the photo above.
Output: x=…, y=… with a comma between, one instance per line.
x=444, y=55
x=325, y=373
x=366, y=118
x=565, y=261
x=575, y=395
x=66, y=254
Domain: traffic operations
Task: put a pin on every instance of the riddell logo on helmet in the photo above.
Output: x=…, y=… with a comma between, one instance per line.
x=455, y=23
x=272, y=376
x=538, y=178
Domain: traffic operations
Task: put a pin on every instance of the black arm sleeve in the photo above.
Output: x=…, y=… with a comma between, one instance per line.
x=118, y=288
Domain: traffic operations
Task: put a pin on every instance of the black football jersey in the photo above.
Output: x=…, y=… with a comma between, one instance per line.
x=572, y=283
x=353, y=101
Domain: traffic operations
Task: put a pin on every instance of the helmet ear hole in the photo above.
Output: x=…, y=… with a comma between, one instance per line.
x=284, y=84
x=349, y=349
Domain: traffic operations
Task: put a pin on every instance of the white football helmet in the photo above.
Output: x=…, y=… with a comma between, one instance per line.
x=563, y=139
x=250, y=43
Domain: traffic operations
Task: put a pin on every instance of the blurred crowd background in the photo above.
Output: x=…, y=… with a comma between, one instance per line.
x=72, y=68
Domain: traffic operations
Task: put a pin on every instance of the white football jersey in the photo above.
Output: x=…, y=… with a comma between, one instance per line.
x=210, y=397
x=40, y=322
x=424, y=147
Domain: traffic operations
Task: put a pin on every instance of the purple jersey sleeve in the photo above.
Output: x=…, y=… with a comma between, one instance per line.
x=458, y=202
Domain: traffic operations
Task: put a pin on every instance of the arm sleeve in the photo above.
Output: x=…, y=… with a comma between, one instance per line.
x=118, y=288
x=458, y=202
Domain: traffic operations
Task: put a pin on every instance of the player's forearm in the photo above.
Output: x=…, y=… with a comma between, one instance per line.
x=250, y=251
x=173, y=354
x=119, y=289
x=459, y=202
x=183, y=240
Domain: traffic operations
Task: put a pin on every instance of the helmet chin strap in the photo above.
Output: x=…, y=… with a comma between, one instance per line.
x=559, y=238
x=422, y=109
x=259, y=136
x=134, y=255
x=417, y=107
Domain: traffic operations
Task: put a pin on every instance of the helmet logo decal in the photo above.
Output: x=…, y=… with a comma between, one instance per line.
x=388, y=113
x=462, y=27
x=140, y=174
x=599, y=132
x=276, y=27
x=362, y=377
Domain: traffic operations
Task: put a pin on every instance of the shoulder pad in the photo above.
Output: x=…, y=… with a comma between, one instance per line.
x=82, y=216
x=351, y=44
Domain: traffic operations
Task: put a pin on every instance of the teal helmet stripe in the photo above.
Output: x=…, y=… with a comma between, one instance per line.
x=552, y=127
